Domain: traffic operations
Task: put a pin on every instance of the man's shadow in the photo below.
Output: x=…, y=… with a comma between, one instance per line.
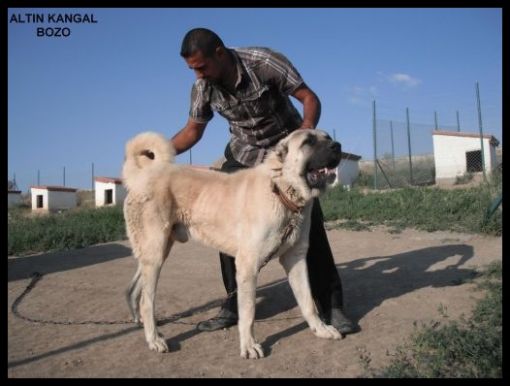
x=369, y=281
x=372, y=280
x=366, y=283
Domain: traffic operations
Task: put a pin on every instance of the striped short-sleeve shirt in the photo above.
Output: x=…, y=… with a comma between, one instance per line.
x=259, y=110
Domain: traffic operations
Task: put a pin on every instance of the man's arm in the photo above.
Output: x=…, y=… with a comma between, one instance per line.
x=311, y=106
x=188, y=136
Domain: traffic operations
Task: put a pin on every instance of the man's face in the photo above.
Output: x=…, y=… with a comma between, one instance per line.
x=208, y=68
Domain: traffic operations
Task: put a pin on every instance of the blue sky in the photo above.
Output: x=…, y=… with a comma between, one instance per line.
x=74, y=101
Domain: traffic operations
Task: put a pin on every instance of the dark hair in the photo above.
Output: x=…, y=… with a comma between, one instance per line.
x=200, y=39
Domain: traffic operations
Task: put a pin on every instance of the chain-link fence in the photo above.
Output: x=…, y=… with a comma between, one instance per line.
x=404, y=152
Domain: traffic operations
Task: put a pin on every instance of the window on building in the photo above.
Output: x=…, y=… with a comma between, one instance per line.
x=108, y=196
x=39, y=201
x=474, y=161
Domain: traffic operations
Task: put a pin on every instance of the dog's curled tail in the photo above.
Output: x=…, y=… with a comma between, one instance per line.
x=145, y=151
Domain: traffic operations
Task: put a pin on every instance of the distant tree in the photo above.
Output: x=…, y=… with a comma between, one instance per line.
x=11, y=185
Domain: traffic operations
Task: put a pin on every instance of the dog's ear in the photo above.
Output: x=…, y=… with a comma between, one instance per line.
x=281, y=150
x=147, y=153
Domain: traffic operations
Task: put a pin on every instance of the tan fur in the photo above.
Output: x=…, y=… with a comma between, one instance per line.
x=235, y=213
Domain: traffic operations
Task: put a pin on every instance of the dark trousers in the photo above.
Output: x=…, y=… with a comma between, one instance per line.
x=325, y=282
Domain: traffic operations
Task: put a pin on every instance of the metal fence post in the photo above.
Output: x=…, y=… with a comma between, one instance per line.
x=392, y=145
x=409, y=147
x=375, y=144
x=481, y=130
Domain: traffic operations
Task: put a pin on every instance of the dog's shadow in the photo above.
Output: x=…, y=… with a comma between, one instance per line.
x=366, y=284
x=59, y=261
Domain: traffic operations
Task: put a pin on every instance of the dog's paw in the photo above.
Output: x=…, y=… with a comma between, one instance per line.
x=158, y=345
x=327, y=332
x=253, y=351
x=138, y=321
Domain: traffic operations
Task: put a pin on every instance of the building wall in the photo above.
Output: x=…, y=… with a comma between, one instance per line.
x=347, y=173
x=37, y=192
x=61, y=200
x=13, y=199
x=54, y=200
x=118, y=193
x=450, y=154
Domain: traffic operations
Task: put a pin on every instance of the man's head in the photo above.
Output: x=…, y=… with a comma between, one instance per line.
x=205, y=53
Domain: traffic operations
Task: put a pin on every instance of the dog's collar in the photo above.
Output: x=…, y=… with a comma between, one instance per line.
x=285, y=200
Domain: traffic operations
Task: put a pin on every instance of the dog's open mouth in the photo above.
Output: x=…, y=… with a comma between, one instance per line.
x=318, y=178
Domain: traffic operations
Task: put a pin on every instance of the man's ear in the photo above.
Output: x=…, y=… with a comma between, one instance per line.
x=219, y=51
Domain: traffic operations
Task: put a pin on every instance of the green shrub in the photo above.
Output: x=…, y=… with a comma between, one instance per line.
x=469, y=348
x=430, y=209
x=75, y=228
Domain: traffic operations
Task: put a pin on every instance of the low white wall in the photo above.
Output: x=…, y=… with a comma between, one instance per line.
x=13, y=199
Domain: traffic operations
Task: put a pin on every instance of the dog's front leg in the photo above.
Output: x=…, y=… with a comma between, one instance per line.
x=294, y=263
x=246, y=276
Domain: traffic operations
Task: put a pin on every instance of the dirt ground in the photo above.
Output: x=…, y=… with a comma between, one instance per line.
x=390, y=281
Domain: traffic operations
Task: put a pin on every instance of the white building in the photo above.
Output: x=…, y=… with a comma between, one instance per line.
x=348, y=170
x=109, y=191
x=13, y=198
x=52, y=198
x=458, y=153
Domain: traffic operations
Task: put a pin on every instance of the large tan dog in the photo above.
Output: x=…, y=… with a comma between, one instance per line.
x=268, y=209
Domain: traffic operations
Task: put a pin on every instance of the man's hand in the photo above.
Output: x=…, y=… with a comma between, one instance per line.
x=188, y=136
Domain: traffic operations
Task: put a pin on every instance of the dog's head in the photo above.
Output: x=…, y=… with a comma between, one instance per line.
x=309, y=160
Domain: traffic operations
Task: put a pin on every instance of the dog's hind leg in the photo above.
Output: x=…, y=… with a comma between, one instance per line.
x=294, y=263
x=154, y=255
x=133, y=294
x=246, y=277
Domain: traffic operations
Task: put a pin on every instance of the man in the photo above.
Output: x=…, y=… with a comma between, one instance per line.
x=250, y=87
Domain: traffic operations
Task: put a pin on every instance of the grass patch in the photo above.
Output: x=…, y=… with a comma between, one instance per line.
x=429, y=209
x=76, y=228
x=462, y=210
x=468, y=348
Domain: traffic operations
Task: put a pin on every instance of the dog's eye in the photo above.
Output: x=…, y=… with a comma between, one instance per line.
x=310, y=140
